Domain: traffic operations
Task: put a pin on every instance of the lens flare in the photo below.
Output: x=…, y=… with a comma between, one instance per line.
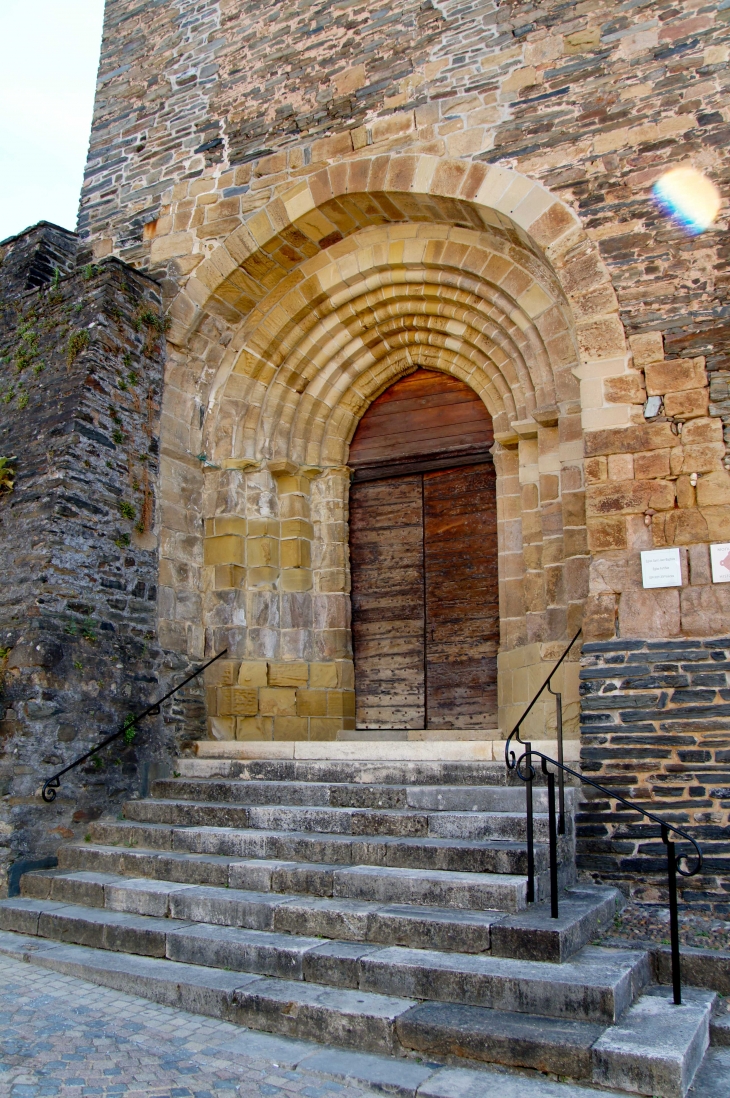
x=689, y=198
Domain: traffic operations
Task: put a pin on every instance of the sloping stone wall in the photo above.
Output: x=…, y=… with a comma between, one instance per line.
x=81, y=356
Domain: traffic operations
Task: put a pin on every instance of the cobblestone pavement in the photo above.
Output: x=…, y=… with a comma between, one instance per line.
x=63, y=1036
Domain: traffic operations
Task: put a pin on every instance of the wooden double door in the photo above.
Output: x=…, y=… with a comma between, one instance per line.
x=423, y=558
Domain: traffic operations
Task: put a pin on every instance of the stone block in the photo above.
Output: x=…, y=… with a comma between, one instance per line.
x=291, y=728
x=221, y=673
x=227, y=524
x=705, y=610
x=244, y=701
x=699, y=565
x=296, y=579
x=312, y=703
x=599, y=620
x=582, y=41
x=295, y=553
x=222, y=728
x=713, y=489
x=228, y=576
x=620, y=467
x=277, y=701
x=253, y=673
x=324, y=728
x=340, y=703
x=675, y=376
x=688, y=404
x=323, y=675
x=288, y=673
x=704, y=457
x=649, y=613
x=647, y=347
x=607, y=533
x=262, y=552
x=628, y=440
x=254, y=728
x=226, y=549
x=629, y=497
x=651, y=464
x=707, y=429
x=626, y=389
x=596, y=470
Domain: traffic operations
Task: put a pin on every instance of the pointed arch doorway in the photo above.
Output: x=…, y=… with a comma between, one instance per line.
x=423, y=558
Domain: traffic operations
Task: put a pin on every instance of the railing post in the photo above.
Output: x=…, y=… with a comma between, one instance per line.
x=561, y=774
x=530, y=827
x=673, y=916
x=553, y=834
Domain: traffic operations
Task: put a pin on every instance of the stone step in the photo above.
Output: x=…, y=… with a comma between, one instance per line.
x=470, y=751
x=404, y=823
x=342, y=918
x=390, y=920
x=400, y=1027
x=339, y=771
x=448, y=798
x=597, y=985
x=463, y=855
x=379, y=884
x=675, y=1037
x=444, y=1031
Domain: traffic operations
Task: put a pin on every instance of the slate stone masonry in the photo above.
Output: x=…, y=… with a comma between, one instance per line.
x=81, y=358
x=655, y=725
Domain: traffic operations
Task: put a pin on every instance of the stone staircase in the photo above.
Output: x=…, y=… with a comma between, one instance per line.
x=373, y=906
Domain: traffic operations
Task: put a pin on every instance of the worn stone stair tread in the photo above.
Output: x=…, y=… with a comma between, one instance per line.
x=657, y=1047
x=597, y=985
x=431, y=927
x=456, y=798
x=343, y=820
x=463, y=1083
x=487, y=856
x=558, y=1046
x=419, y=772
x=223, y=870
x=354, y=1018
x=585, y=912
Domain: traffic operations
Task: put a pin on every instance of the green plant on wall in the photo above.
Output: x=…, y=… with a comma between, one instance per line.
x=77, y=342
x=7, y=474
x=126, y=510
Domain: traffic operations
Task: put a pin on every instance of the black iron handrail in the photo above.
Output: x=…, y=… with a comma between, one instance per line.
x=48, y=792
x=525, y=770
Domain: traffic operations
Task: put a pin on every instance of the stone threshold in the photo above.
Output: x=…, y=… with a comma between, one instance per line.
x=375, y=750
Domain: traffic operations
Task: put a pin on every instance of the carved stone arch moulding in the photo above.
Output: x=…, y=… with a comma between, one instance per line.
x=288, y=331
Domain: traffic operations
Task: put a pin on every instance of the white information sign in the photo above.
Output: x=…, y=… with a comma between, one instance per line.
x=720, y=558
x=661, y=568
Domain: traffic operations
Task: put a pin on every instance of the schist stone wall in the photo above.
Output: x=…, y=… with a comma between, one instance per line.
x=332, y=196
x=81, y=354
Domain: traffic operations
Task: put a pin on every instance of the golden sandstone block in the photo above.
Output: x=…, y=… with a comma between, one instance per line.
x=323, y=675
x=253, y=673
x=675, y=376
x=312, y=703
x=290, y=728
x=226, y=549
x=288, y=673
x=278, y=701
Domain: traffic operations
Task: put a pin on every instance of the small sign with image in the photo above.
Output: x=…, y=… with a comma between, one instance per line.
x=720, y=559
x=661, y=568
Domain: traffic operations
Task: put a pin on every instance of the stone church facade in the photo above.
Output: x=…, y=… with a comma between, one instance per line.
x=333, y=200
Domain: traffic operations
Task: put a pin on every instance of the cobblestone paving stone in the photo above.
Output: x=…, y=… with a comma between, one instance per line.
x=63, y=1036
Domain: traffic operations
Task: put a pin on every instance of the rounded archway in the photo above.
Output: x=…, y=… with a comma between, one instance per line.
x=333, y=292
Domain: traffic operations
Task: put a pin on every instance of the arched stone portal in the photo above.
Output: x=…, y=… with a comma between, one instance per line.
x=286, y=335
